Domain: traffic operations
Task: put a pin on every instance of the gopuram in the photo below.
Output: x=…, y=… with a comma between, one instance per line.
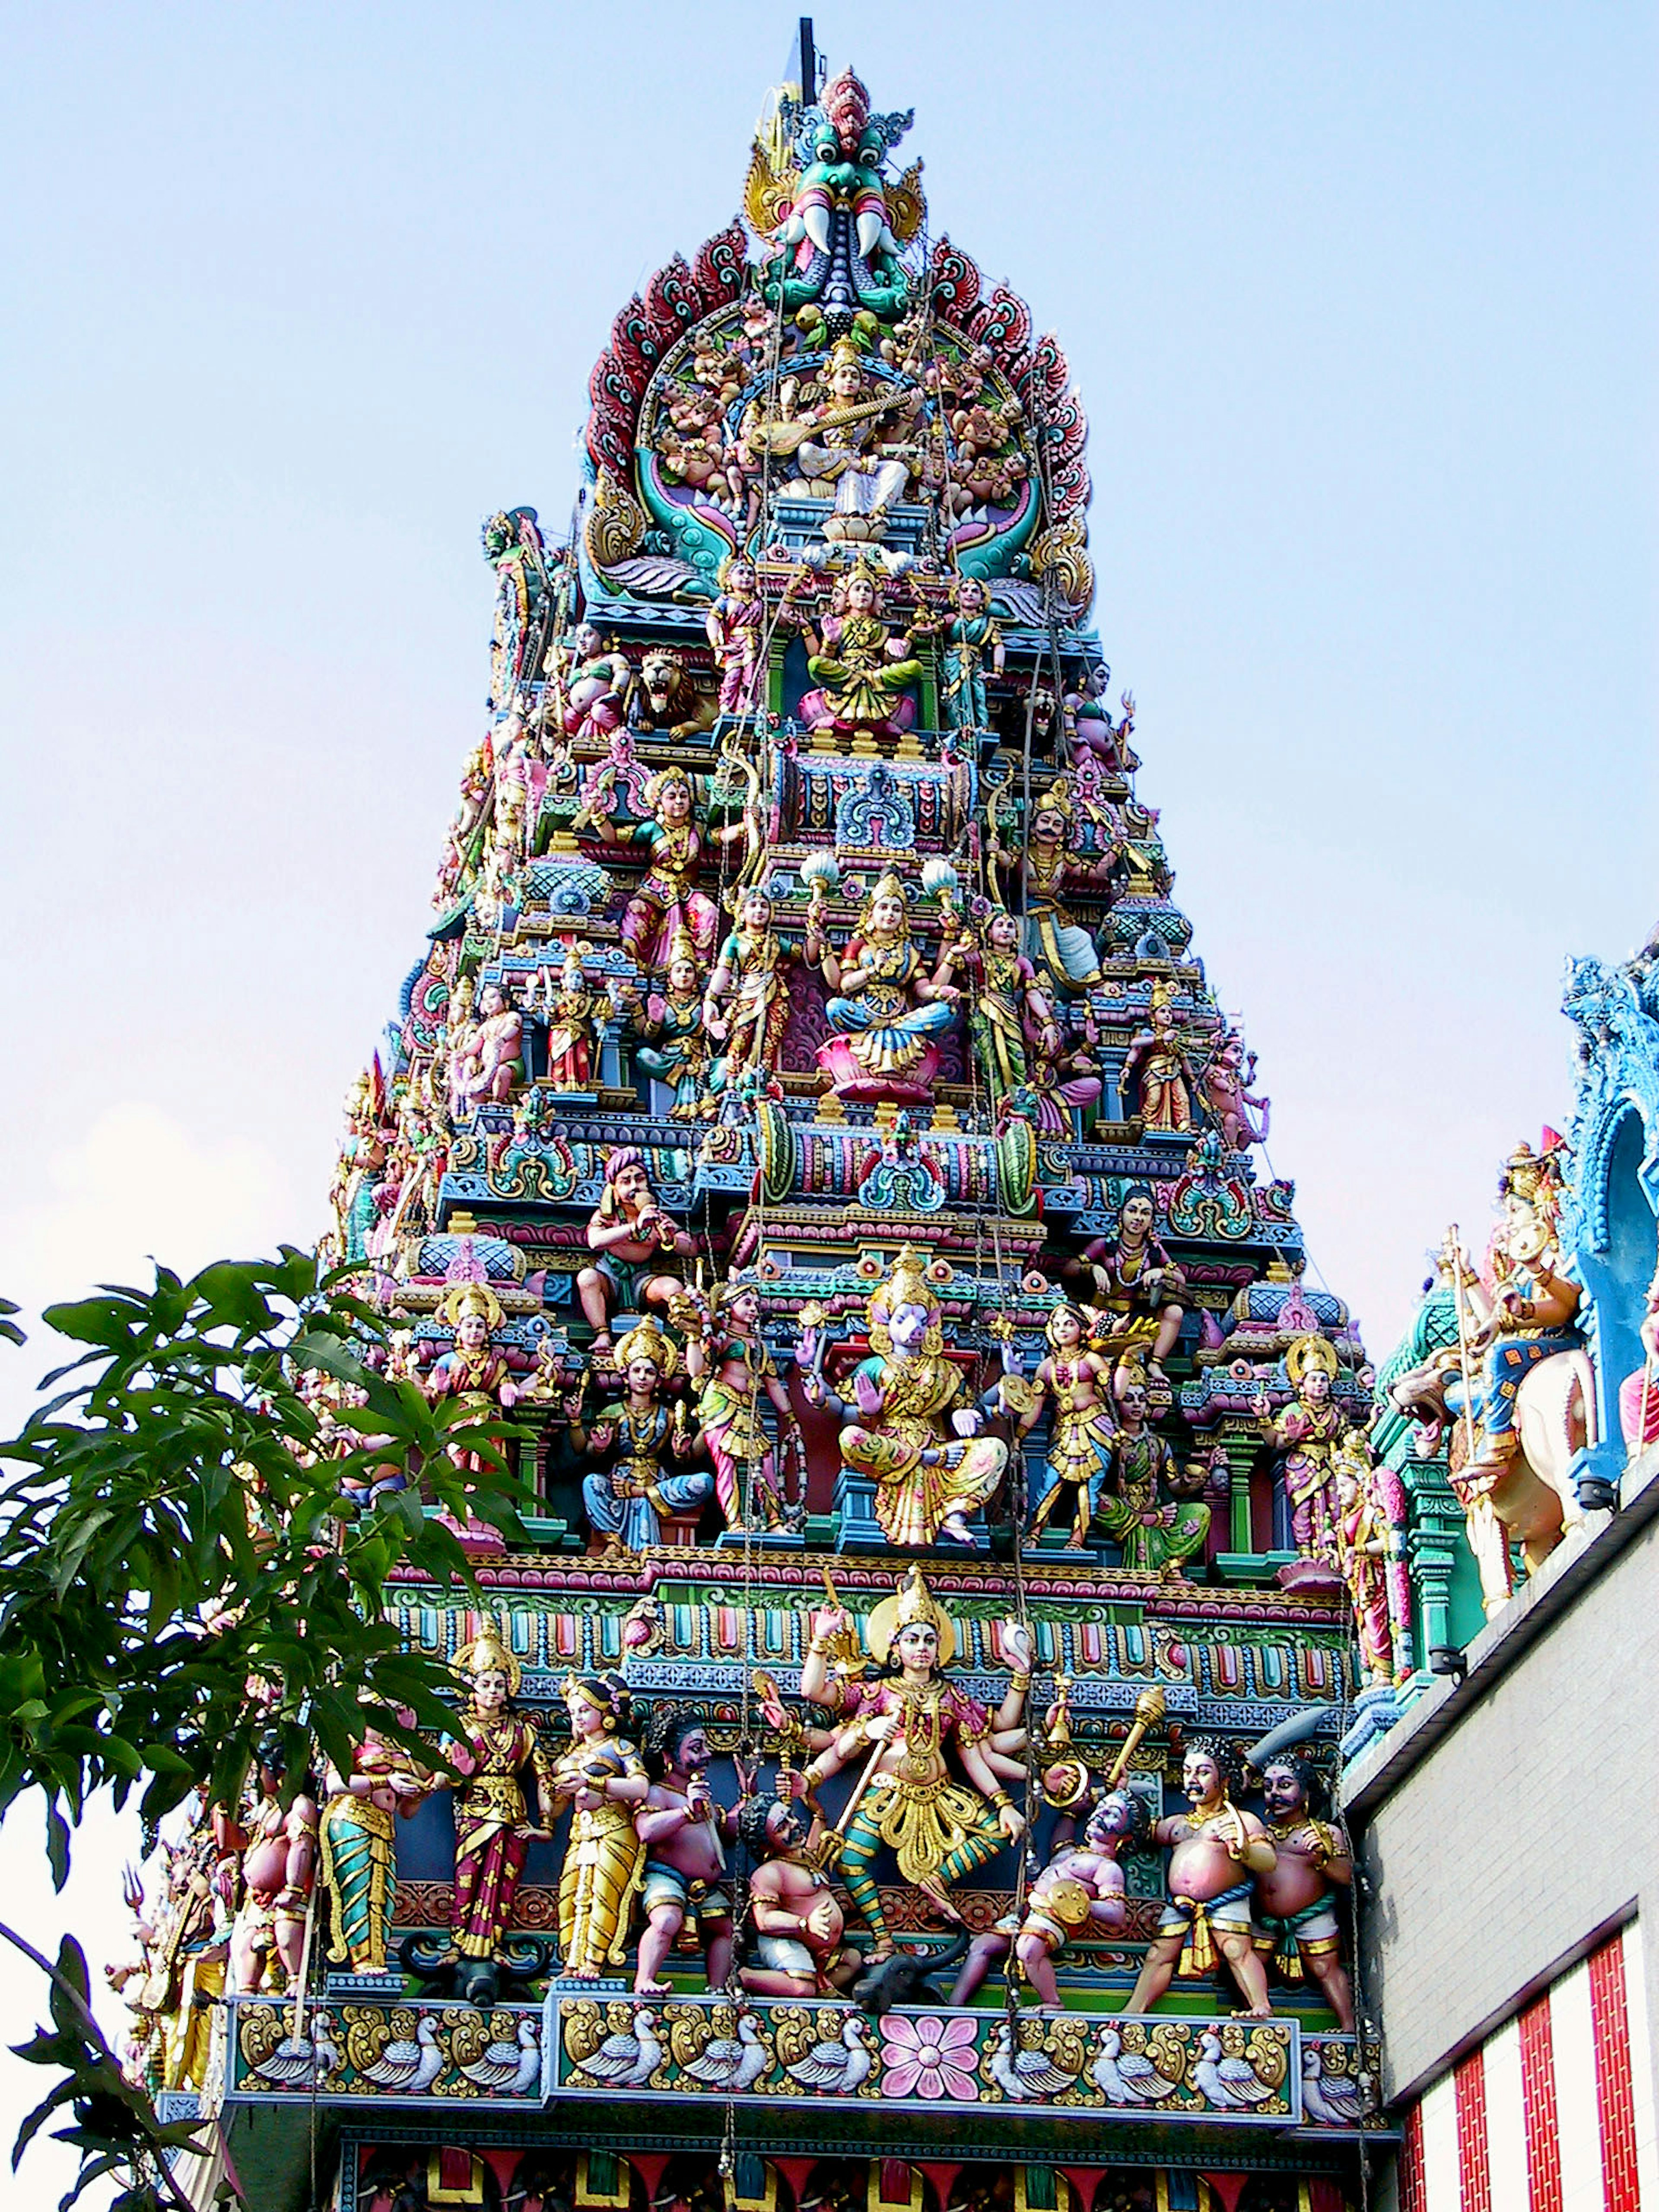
x=898, y=1771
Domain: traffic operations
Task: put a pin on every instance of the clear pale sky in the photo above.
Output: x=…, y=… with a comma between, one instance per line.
x=1361, y=302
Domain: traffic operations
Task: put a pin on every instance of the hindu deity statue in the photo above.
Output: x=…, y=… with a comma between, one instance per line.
x=588, y=682
x=1133, y=1506
x=800, y=1948
x=1530, y=1313
x=1058, y=946
x=472, y=1370
x=752, y=973
x=901, y=1726
x=575, y=1016
x=679, y=1051
x=359, y=1853
x=667, y=900
x=973, y=643
x=1296, y=1899
x=899, y=1400
x=841, y=233
x=1089, y=724
x=1138, y=1286
x=736, y=628
x=1080, y=1381
x=1309, y=1433
x=1216, y=1852
x=887, y=1005
x=602, y=1778
x=725, y=1354
x=1007, y=1007
x=1224, y=1084
x=838, y=444
x=627, y=1501
x=632, y=1240
x=277, y=1842
x=1157, y=1068
x=1081, y=1889
x=861, y=667
x=487, y=1058
x=1363, y=1549
x=685, y=1834
x=494, y=1746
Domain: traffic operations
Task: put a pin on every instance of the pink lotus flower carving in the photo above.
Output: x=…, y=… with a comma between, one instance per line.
x=928, y=2057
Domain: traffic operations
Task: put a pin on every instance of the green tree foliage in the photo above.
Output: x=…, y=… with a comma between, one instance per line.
x=179, y=1575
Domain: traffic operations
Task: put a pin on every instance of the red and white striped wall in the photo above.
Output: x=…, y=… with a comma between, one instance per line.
x=1554, y=2112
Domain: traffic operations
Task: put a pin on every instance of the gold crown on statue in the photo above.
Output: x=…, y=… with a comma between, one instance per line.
x=462, y=1299
x=487, y=1654
x=645, y=1341
x=911, y=1602
x=1310, y=1351
x=658, y=785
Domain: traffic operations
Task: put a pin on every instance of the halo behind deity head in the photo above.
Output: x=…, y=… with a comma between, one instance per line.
x=911, y=1602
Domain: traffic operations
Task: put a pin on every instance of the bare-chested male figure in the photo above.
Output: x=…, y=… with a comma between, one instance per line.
x=1295, y=1900
x=685, y=1834
x=1215, y=1851
x=799, y=1924
x=1081, y=1886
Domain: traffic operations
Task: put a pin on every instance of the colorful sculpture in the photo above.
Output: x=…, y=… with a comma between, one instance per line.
x=632, y=1238
x=736, y=628
x=684, y=1834
x=1216, y=1852
x=1057, y=945
x=938, y=1830
x=495, y=1747
x=678, y=1051
x=667, y=900
x=861, y=666
x=575, y=1020
x=358, y=1838
x=900, y=1397
x=628, y=1502
x=1158, y=1533
x=603, y=1780
x=1224, y=1084
x=752, y=973
x=727, y=1356
x=589, y=682
x=277, y=1842
x=1297, y=1896
x=1365, y=1549
x=487, y=1059
x=887, y=1007
x=1308, y=1434
x=839, y=448
x=973, y=643
x=1138, y=1286
x=800, y=1948
x=473, y=1372
x=1007, y=1006
x=1531, y=1313
x=1080, y=1889
x=1080, y=1439
x=1157, y=1068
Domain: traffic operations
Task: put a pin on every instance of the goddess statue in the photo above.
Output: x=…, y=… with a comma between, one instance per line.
x=838, y=444
x=625, y=1504
x=887, y=1007
x=1308, y=1433
x=904, y=1724
x=1057, y=946
x=473, y=1371
x=973, y=642
x=1080, y=1442
x=861, y=667
x=752, y=973
x=736, y=628
x=603, y=1778
x=1362, y=1551
x=667, y=901
x=589, y=682
x=495, y=1745
x=359, y=1854
x=1158, y=1061
x=895, y=1433
x=679, y=1051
